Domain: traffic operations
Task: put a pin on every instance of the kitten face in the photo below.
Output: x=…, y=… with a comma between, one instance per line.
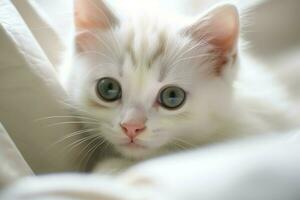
x=151, y=84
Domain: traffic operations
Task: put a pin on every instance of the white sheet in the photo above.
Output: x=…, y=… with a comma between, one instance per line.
x=12, y=164
x=262, y=168
x=257, y=169
x=29, y=90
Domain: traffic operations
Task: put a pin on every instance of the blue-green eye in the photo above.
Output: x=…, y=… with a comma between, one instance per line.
x=172, y=97
x=109, y=89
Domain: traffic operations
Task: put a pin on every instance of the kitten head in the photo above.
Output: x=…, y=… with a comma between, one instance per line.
x=152, y=82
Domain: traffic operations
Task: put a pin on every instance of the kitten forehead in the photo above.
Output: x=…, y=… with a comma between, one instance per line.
x=144, y=50
x=150, y=44
x=155, y=44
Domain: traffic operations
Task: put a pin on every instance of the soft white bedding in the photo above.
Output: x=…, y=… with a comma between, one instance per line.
x=258, y=169
x=29, y=89
x=255, y=169
x=13, y=166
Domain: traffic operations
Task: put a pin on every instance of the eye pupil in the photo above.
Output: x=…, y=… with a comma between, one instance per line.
x=172, y=97
x=109, y=89
x=172, y=94
x=110, y=86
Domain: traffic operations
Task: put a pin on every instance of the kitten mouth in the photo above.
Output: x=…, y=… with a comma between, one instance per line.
x=133, y=145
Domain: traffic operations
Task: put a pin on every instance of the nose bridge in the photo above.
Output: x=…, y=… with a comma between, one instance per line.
x=136, y=101
x=135, y=114
x=139, y=83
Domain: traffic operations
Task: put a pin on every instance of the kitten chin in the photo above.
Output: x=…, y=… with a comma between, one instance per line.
x=170, y=83
x=135, y=152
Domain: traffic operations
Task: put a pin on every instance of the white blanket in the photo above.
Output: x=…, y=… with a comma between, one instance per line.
x=29, y=89
x=255, y=169
x=12, y=164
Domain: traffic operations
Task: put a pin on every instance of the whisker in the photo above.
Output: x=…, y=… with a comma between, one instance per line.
x=72, y=122
x=179, y=55
x=92, y=140
x=198, y=44
x=80, y=141
x=190, y=58
x=184, y=142
x=176, y=52
x=74, y=134
x=106, y=146
x=178, y=145
x=90, y=152
x=72, y=106
x=65, y=116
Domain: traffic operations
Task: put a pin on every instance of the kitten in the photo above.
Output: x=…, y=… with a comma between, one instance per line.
x=155, y=83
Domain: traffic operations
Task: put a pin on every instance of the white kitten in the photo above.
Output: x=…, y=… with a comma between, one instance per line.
x=156, y=83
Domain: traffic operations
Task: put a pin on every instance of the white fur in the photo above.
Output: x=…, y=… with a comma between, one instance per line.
x=244, y=100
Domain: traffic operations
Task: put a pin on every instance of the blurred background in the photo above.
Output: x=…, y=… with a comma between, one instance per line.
x=272, y=26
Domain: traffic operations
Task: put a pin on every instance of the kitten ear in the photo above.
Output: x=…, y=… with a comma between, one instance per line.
x=91, y=15
x=220, y=28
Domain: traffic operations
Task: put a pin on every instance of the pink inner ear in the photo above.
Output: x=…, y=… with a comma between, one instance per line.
x=91, y=14
x=220, y=26
x=84, y=41
x=225, y=29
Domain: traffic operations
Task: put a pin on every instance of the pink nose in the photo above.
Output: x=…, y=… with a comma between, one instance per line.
x=132, y=130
